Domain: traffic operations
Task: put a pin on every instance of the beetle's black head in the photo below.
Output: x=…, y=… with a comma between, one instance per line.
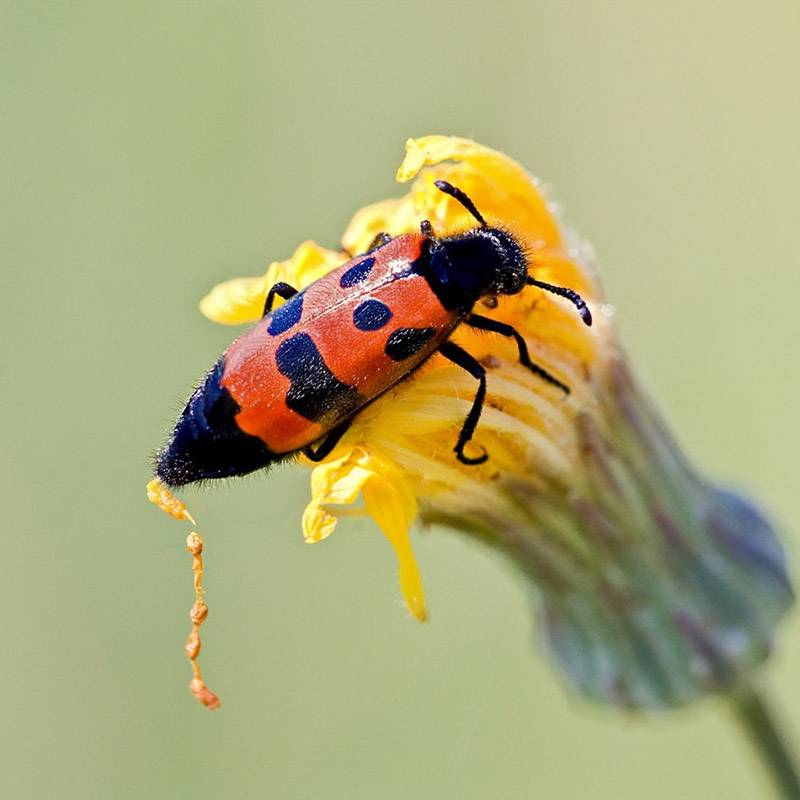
x=479, y=262
x=206, y=442
x=486, y=261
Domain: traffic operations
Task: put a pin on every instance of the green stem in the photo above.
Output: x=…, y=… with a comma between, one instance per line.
x=761, y=728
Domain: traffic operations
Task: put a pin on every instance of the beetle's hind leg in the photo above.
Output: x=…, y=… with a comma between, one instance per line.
x=280, y=289
x=463, y=359
x=493, y=326
x=327, y=444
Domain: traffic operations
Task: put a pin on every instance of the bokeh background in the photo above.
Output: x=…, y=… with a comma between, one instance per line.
x=152, y=149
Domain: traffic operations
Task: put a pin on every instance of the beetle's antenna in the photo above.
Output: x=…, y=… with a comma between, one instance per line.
x=569, y=294
x=448, y=188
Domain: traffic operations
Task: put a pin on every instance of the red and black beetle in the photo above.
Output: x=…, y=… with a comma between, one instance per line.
x=302, y=372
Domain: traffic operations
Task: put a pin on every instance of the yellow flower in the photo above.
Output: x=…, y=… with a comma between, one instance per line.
x=409, y=433
x=637, y=563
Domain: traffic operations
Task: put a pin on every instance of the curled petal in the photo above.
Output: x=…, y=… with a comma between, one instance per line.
x=336, y=482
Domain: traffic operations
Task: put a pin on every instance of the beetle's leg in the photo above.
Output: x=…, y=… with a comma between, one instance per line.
x=327, y=444
x=492, y=325
x=380, y=240
x=463, y=359
x=281, y=289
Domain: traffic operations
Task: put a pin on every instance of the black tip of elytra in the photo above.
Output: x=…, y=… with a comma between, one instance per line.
x=174, y=471
x=206, y=442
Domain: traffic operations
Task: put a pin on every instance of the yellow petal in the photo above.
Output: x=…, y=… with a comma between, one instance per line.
x=393, y=506
x=501, y=189
x=368, y=222
x=235, y=302
x=497, y=184
x=241, y=300
x=337, y=482
x=389, y=499
x=307, y=264
x=431, y=150
x=318, y=523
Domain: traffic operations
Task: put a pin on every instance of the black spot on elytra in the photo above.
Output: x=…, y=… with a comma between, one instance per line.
x=371, y=315
x=315, y=393
x=357, y=273
x=405, y=342
x=286, y=316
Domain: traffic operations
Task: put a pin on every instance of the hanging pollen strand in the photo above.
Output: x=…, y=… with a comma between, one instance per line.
x=161, y=496
x=198, y=613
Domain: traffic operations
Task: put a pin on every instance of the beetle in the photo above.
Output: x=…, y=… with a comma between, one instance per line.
x=300, y=374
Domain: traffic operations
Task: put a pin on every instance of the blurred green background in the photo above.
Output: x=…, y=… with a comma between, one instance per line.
x=152, y=149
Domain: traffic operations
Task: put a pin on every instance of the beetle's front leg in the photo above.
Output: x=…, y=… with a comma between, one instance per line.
x=280, y=289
